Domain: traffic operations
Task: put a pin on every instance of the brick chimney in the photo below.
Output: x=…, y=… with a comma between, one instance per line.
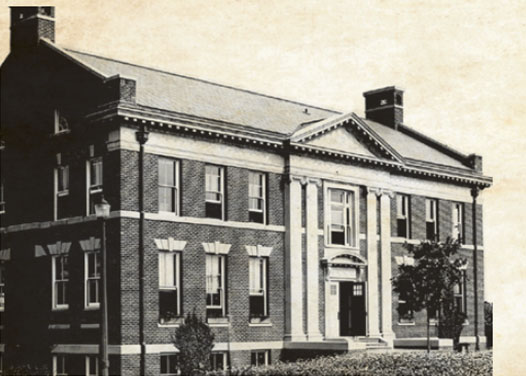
x=385, y=106
x=29, y=24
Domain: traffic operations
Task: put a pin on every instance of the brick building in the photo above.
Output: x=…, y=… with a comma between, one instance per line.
x=278, y=222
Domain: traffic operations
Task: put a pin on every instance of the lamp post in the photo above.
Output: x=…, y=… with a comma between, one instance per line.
x=102, y=211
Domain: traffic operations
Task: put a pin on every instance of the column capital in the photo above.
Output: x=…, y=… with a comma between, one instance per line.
x=387, y=193
x=296, y=178
x=373, y=190
x=314, y=181
x=475, y=192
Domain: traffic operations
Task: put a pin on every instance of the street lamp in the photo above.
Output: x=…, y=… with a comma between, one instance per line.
x=102, y=211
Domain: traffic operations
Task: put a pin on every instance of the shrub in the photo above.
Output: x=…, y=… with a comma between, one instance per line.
x=384, y=364
x=26, y=370
x=194, y=341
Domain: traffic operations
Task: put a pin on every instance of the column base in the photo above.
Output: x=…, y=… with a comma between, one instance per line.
x=389, y=338
x=298, y=337
x=314, y=336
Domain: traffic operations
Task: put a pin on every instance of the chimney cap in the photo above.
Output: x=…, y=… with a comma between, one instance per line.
x=383, y=89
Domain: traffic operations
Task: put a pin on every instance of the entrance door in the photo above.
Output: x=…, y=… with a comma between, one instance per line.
x=352, y=309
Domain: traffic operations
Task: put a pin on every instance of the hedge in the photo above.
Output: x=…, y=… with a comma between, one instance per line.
x=380, y=364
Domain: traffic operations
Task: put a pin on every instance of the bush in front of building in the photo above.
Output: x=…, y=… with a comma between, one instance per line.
x=26, y=370
x=195, y=341
x=384, y=364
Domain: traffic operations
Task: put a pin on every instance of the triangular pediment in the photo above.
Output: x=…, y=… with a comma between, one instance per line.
x=343, y=140
x=345, y=133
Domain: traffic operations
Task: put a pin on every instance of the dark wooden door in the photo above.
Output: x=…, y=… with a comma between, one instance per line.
x=352, y=309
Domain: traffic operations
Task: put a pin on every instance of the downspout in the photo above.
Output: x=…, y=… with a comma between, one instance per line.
x=142, y=138
x=474, y=194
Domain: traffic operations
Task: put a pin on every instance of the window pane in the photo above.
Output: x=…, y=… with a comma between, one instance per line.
x=337, y=195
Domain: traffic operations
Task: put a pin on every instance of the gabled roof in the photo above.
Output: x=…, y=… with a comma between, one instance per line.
x=192, y=96
x=402, y=148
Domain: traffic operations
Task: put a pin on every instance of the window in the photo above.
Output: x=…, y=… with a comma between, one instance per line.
x=431, y=220
x=214, y=192
x=92, y=279
x=403, y=221
x=169, y=364
x=1, y=363
x=2, y=287
x=92, y=365
x=59, y=365
x=61, y=123
x=256, y=197
x=459, y=291
x=218, y=361
x=169, y=282
x=2, y=198
x=342, y=219
x=169, y=186
x=405, y=315
x=260, y=358
x=62, y=180
x=458, y=222
x=258, y=286
x=94, y=182
x=215, y=285
x=60, y=275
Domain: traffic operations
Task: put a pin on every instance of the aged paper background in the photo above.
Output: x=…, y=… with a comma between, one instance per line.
x=462, y=64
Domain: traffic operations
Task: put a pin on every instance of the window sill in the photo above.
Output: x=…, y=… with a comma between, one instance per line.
x=91, y=308
x=60, y=133
x=409, y=323
x=257, y=321
x=59, y=309
x=90, y=326
x=59, y=326
x=171, y=323
x=342, y=247
x=63, y=193
x=218, y=321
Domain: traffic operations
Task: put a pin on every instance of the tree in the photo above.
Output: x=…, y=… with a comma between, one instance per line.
x=427, y=281
x=195, y=340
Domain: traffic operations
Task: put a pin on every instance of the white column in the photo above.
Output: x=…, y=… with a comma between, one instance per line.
x=372, y=264
x=313, y=284
x=293, y=263
x=385, y=241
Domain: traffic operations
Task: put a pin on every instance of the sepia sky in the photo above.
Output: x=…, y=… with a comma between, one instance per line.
x=462, y=64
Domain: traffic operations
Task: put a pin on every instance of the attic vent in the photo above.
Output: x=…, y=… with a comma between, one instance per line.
x=383, y=102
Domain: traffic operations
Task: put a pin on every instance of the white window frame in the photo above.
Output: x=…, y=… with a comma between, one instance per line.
x=267, y=357
x=89, y=371
x=432, y=214
x=54, y=283
x=2, y=198
x=461, y=287
x=262, y=274
x=2, y=287
x=175, y=189
x=457, y=231
x=222, y=270
x=253, y=188
x=403, y=212
x=59, y=358
x=93, y=189
x=60, y=193
x=168, y=355
x=87, y=279
x=57, y=118
x=164, y=256
x=221, y=191
x=352, y=222
x=225, y=359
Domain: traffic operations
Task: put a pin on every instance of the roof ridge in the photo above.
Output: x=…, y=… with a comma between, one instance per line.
x=202, y=80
